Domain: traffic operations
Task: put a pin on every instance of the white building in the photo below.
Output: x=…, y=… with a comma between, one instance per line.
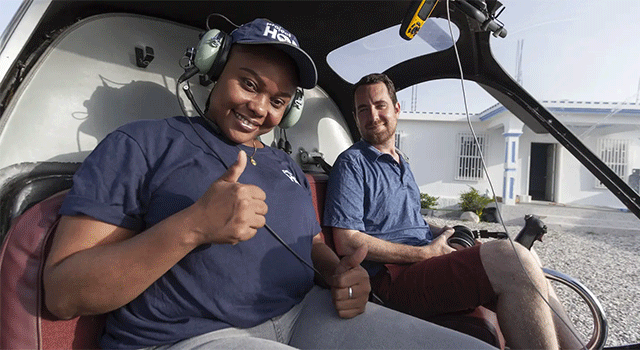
x=522, y=165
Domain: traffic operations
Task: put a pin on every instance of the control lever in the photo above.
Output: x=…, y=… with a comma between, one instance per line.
x=532, y=231
x=488, y=234
x=314, y=158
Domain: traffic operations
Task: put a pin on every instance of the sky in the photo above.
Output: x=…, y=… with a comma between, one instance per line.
x=580, y=50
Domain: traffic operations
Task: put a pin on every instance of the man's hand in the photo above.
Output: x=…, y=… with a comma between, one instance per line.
x=439, y=245
x=349, y=275
x=229, y=212
x=438, y=231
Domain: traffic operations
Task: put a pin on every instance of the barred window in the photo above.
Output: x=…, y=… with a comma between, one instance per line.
x=614, y=153
x=399, y=136
x=469, y=162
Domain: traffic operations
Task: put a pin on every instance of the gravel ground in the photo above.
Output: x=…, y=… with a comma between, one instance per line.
x=607, y=264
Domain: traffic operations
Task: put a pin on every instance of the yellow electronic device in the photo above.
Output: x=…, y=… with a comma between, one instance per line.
x=418, y=13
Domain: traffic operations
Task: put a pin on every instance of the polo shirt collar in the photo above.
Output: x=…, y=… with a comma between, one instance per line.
x=372, y=153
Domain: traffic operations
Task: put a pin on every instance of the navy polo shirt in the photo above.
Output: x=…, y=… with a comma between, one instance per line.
x=370, y=192
x=148, y=170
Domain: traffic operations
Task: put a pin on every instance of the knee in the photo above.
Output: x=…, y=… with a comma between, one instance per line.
x=512, y=265
x=511, y=252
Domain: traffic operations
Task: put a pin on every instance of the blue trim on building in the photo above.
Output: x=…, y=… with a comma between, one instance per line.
x=506, y=152
x=512, y=134
x=593, y=110
x=511, y=184
x=492, y=113
x=513, y=151
x=572, y=109
x=504, y=187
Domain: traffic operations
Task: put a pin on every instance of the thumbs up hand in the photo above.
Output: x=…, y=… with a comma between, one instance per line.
x=350, y=285
x=229, y=212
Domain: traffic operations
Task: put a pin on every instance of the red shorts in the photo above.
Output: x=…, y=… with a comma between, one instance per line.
x=444, y=284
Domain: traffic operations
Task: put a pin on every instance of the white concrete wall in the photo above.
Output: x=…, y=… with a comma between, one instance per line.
x=432, y=150
x=575, y=185
x=579, y=187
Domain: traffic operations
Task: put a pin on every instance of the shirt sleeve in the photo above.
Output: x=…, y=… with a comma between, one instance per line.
x=108, y=183
x=344, y=204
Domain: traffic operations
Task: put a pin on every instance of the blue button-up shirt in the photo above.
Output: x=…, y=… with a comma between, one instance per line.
x=370, y=192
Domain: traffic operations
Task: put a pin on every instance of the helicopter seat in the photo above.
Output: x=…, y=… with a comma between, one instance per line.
x=481, y=322
x=25, y=323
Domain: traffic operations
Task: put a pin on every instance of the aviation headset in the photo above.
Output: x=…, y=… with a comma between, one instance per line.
x=211, y=56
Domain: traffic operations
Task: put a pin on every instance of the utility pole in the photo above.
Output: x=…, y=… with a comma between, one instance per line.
x=519, y=61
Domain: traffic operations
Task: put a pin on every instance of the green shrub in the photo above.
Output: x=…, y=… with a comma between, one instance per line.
x=473, y=201
x=427, y=201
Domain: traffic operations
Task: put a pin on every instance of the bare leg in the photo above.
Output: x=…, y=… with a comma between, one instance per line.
x=524, y=317
x=564, y=327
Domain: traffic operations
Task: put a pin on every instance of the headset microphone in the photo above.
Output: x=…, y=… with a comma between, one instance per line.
x=281, y=143
x=188, y=73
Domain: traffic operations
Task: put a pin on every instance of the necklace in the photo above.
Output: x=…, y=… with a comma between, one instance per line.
x=216, y=129
x=255, y=148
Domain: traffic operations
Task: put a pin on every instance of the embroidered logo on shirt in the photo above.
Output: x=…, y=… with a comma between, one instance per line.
x=290, y=176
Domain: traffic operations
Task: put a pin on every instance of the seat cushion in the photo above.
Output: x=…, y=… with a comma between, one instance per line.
x=481, y=323
x=24, y=321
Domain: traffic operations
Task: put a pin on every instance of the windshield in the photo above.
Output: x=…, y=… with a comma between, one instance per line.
x=579, y=62
x=579, y=59
x=574, y=59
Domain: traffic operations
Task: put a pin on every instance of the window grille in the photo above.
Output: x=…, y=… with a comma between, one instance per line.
x=469, y=161
x=399, y=135
x=614, y=153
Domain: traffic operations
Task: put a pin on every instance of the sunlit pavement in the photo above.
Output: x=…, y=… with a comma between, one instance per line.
x=560, y=216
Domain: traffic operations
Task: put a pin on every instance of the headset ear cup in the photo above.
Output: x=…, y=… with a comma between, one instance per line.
x=463, y=236
x=294, y=110
x=212, y=53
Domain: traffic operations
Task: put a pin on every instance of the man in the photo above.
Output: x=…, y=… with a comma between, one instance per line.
x=373, y=199
x=163, y=229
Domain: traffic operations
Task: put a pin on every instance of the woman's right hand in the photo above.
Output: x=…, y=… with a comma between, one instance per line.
x=229, y=212
x=95, y=267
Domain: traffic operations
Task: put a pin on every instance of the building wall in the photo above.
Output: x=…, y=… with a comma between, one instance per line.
x=575, y=185
x=432, y=150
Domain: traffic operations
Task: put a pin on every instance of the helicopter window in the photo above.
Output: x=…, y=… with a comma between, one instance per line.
x=386, y=48
x=577, y=63
x=580, y=61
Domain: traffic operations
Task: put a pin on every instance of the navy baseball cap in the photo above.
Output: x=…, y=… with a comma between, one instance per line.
x=263, y=31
